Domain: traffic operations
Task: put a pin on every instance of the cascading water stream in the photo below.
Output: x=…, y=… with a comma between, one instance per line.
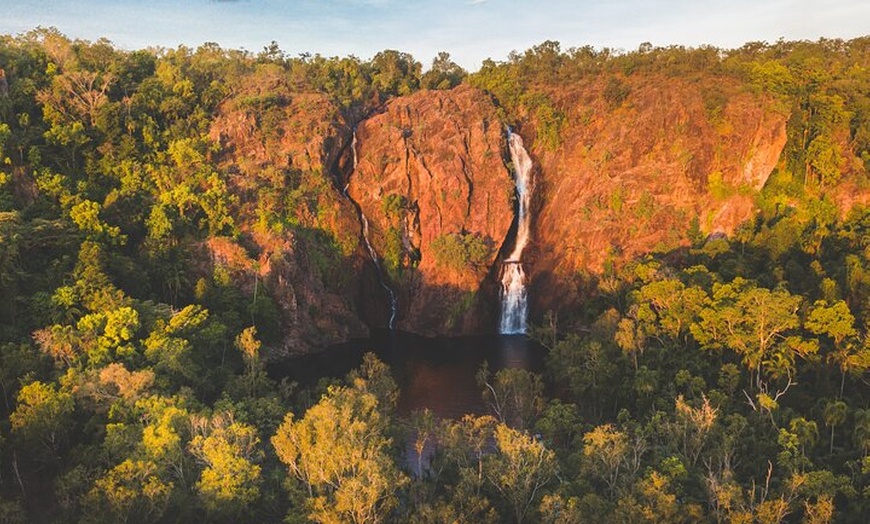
x=391, y=295
x=374, y=255
x=514, y=296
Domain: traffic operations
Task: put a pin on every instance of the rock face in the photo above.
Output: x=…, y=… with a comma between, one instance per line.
x=634, y=173
x=281, y=149
x=431, y=179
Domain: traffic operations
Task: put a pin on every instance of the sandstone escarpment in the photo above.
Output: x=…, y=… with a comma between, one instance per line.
x=634, y=173
x=431, y=179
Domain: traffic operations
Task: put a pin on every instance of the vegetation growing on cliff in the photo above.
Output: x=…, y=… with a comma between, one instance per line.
x=723, y=382
x=457, y=251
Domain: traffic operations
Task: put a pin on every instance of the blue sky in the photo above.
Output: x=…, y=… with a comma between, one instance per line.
x=471, y=30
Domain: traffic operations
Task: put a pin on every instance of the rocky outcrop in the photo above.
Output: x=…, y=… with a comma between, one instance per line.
x=281, y=149
x=432, y=181
x=634, y=174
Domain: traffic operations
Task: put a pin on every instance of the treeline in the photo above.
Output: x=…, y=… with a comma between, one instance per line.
x=725, y=383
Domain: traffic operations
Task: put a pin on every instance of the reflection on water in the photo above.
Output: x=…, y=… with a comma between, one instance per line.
x=434, y=373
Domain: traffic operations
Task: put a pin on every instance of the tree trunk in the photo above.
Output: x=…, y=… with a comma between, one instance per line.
x=842, y=382
x=18, y=475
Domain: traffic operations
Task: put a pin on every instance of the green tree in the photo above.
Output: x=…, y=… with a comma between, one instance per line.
x=164, y=433
x=339, y=454
x=559, y=423
x=132, y=491
x=423, y=424
x=461, y=251
x=444, y=73
x=229, y=482
x=395, y=73
x=759, y=325
x=835, y=414
x=670, y=306
x=43, y=415
x=465, y=444
x=807, y=432
x=824, y=159
x=515, y=395
x=522, y=467
x=373, y=376
x=861, y=431
x=556, y=509
x=836, y=321
x=692, y=427
x=86, y=215
x=169, y=346
x=249, y=345
x=583, y=364
x=606, y=449
x=655, y=500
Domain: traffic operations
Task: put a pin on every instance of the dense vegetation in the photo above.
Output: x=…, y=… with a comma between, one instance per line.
x=726, y=382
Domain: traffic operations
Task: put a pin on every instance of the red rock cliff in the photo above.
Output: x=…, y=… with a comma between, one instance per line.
x=430, y=174
x=281, y=148
x=632, y=175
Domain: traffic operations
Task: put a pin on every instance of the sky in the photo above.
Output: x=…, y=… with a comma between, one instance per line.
x=470, y=30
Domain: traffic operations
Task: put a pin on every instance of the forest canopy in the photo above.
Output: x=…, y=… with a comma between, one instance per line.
x=723, y=382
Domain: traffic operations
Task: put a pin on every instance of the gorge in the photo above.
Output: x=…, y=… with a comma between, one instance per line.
x=441, y=188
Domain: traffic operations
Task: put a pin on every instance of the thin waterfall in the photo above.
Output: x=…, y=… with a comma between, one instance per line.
x=391, y=295
x=514, y=296
x=374, y=255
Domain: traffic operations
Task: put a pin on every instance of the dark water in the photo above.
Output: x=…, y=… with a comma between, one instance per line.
x=434, y=373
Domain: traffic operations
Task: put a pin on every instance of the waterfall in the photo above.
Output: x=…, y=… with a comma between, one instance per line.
x=374, y=256
x=514, y=296
x=391, y=295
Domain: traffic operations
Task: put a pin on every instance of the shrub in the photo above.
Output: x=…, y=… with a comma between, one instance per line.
x=392, y=205
x=459, y=251
x=615, y=92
